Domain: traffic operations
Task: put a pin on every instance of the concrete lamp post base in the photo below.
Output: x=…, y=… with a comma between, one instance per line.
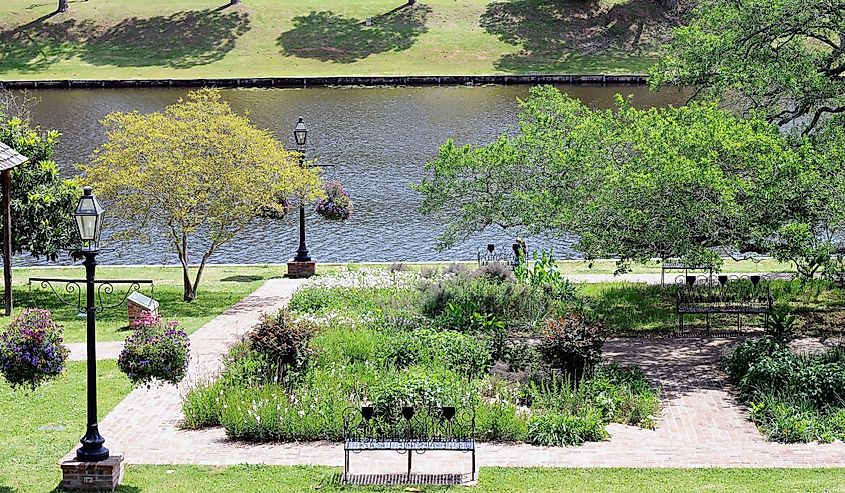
x=301, y=270
x=92, y=476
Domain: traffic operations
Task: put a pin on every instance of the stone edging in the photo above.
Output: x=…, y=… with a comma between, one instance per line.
x=295, y=82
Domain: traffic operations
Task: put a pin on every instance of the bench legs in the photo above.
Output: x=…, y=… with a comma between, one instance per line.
x=345, y=466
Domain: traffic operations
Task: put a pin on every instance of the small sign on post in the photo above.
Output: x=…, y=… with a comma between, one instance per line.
x=140, y=307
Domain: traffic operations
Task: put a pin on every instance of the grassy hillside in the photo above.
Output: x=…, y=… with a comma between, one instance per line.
x=206, y=38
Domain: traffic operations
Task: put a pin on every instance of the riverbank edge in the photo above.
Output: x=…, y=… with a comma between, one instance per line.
x=303, y=82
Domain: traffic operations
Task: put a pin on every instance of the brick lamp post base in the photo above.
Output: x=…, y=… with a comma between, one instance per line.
x=92, y=476
x=301, y=270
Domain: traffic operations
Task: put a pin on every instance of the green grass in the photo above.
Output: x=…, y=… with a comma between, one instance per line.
x=30, y=456
x=581, y=267
x=201, y=38
x=299, y=479
x=221, y=287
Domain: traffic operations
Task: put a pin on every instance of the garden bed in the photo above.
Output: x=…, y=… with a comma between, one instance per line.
x=794, y=397
x=525, y=353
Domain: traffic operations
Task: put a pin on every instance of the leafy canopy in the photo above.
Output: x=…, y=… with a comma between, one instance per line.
x=629, y=183
x=42, y=202
x=782, y=58
x=196, y=170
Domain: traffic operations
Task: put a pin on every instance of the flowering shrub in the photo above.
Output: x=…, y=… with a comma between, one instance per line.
x=155, y=351
x=572, y=344
x=31, y=350
x=336, y=206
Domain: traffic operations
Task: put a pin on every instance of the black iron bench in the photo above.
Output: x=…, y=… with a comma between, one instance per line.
x=409, y=430
x=723, y=294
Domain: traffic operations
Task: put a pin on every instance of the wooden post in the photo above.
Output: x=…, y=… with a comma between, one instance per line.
x=6, y=179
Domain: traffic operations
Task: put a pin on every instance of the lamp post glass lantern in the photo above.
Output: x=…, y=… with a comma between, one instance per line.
x=300, y=136
x=89, y=218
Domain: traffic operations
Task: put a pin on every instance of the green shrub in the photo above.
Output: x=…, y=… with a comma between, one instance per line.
x=455, y=351
x=201, y=405
x=572, y=344
x=501, y=421
x=313, y=300
x=781, y=324
x=416, y=387
x=452, y=301
x=793, y=398
x=339, y=344
x=543, y=273
x=282, y=340
x=746, y=353
x=554, y=428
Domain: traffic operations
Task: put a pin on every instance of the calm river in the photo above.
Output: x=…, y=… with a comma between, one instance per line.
x=378, y=140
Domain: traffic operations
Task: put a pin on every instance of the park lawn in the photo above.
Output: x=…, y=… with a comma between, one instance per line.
x=582, y=267
x=220, y=288
x=124, y=39
x=30, y=458
x=298, y=479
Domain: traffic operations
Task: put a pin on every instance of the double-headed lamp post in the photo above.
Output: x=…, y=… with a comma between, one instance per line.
x=300, y=136
x=89, y=222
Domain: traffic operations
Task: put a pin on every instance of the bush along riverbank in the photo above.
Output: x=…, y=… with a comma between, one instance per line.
x=524, y=352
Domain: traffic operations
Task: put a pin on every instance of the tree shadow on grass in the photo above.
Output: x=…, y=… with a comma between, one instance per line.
x=39, y=44
x=554, y=34
x=628, y=308
x=329, y=37
x=181, y=40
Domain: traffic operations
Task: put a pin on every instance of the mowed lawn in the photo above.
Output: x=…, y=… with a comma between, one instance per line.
x=220, y=288
x=105, y=39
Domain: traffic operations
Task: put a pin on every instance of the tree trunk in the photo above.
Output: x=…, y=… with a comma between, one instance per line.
x=62, y=6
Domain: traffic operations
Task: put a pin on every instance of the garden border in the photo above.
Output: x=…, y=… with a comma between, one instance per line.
x=303, y=82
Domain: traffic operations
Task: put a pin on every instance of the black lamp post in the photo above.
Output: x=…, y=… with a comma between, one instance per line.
x=89, y=222
x=300, y=135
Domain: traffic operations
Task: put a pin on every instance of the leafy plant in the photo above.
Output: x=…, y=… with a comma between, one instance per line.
x=560, y=428
x=781, y=324
x=31, y=350
x=572, y=344
x=282, y=340
x=458, y=352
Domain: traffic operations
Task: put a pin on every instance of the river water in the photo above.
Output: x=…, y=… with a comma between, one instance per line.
x=378, y=140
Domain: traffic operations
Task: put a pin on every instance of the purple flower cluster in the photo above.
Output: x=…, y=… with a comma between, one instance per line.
x=155, y=351
x=336, y=206
x=31, y=350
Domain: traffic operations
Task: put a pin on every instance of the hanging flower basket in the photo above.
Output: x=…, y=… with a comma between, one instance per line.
x=336, y=206
x=31, y=350
x=155, y=352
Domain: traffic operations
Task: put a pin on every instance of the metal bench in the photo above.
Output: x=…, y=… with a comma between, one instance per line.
x=723, y=294
x=407, y=431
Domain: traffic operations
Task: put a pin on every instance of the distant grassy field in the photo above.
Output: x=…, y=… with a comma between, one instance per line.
x=105, y=39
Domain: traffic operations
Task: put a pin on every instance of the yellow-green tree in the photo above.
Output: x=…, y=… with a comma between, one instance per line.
x=196, y=171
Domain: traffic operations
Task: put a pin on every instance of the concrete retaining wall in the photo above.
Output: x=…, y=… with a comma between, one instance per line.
x=413, y=80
